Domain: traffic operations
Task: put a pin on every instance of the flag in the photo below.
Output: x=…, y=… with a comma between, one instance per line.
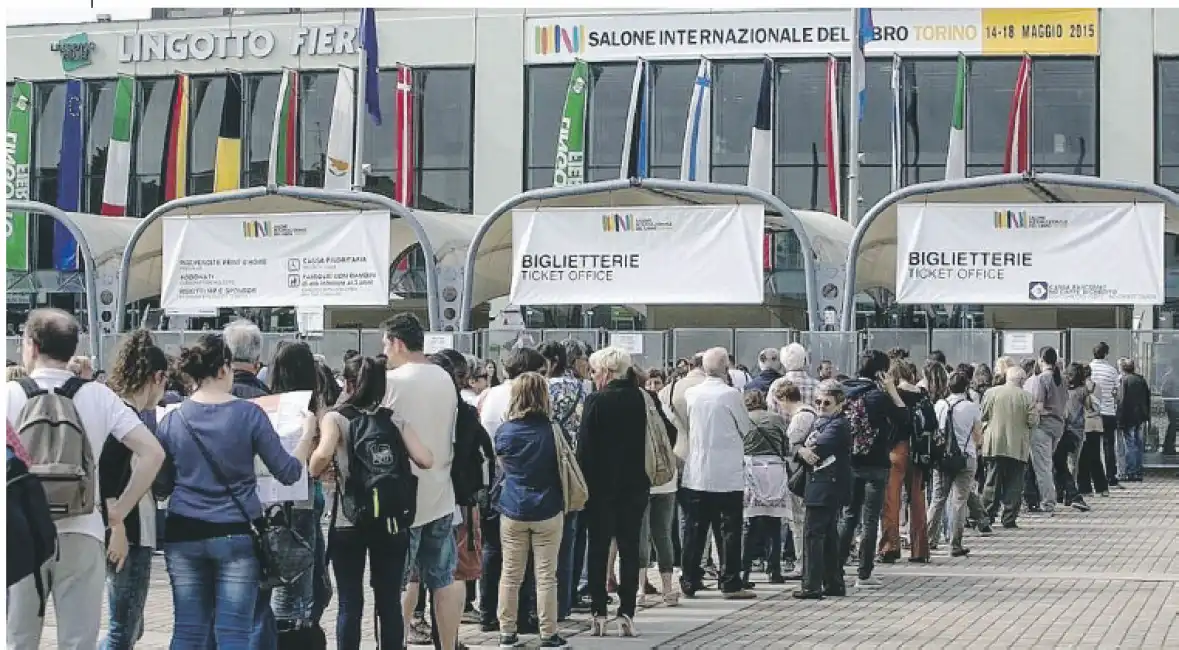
x=176, y=147
x=403, y=188
x=227, y=173
x=865, y=33
x=761, y=141
x=897, y=124
x=831, y=130
x=368, y=42
x=283, y=135
x=696, y=160
x=337, y=173
x=18, y=148
x=956, y=156
x=1017, y=155
x=69, y=177
x=634, y=143
x=569, y=168
x=118, y=154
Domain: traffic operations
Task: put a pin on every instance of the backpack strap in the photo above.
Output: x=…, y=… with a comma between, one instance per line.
x=71, y=387
x=31, y=388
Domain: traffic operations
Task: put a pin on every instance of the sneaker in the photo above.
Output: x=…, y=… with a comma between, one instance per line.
x=1049, y=509
x=984, y=528
x=509, y=641
x=554, y=641
x=1079, y=504
x=960, y=552
x=743, y=594
x=419, y=634
x=868, y=583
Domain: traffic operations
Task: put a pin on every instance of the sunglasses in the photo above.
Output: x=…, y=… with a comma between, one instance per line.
x=824, y=403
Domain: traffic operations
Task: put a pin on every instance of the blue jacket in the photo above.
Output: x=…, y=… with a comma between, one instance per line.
x=831, y=486
x=762, y=381
x=529, y=487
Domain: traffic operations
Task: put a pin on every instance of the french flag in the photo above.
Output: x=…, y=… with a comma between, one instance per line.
x=761, y=144
x=696, y=160
x=635, y=163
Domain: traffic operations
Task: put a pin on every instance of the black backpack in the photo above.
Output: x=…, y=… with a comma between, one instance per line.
x=32, y=535
x=381, y=491
x=924, y=447
x=466, y=471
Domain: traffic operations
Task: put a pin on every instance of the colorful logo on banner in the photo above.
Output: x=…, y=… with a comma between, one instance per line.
x=75, y=51
x=556, y=39
x=255, y=229
x=1024, y=220
x=617, y=222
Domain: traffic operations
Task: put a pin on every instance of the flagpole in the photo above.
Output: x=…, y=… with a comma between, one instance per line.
x=359, y=110
x=853, y=162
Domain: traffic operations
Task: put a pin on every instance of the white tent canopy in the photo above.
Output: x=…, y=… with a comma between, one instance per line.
x=108, y=236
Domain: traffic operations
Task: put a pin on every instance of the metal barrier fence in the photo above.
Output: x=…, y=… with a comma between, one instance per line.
x=1155, y=352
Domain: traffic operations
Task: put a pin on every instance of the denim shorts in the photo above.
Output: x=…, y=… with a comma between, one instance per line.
x=433, y=553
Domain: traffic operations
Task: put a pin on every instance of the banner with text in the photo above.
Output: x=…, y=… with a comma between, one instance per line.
x=641, y=255
x=937, y=32
x=1036, y=254
x=274, y=260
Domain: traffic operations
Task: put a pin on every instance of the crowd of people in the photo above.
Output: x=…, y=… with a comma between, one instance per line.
x=513, y=499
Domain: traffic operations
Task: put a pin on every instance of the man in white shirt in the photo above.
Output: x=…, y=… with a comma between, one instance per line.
x=423, y=396
x=1106, y=378
x=76, y=574
x=966, y=427
x=713, y=484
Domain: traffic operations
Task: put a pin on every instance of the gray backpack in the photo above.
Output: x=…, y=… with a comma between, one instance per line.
x=59, y=450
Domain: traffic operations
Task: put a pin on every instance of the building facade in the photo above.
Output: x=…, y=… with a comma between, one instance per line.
x=1104, y=102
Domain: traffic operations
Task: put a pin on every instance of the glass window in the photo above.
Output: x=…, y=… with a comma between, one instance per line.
x=1167, y=113
x=875, y=133
x=671, y=95
x=445, y=190
x=315, y=118
x=445, y=98
x=261, y=94
x=736, y=85
x=147, y=192
x=208, y=96
x=991, y=84
x=100, y=112
x=800, y=135
x=609, y=103
x=928, y=112
x=1064, y=115
x=804, y=187
x=47, y=121
x=151, y=123
x=380, y=142
x=546, y=102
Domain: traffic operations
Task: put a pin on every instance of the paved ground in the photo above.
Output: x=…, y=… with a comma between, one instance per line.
x=1104, y=579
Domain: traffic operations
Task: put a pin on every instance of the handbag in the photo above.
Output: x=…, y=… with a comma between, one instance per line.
x=797, y=482
x=283, y=555
x=573, y=486
x=660, y=461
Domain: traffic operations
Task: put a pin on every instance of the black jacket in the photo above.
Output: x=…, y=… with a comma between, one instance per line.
x=611, y=444
x=1133, y=401
x=247, y=386
x=831, y=486
x=886, y=416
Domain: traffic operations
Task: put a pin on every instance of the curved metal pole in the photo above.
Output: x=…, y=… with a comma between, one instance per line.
x=91, y=269
x=298, y=192
x=980, y=182
x=549, y=193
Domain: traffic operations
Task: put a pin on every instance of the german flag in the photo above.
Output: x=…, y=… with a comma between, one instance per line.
x=176, y=150
x=227, y=174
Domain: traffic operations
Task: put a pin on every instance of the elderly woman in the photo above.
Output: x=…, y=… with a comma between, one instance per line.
x=767, y=495
x=611, y=448
x=802, y=419
x=827, y=455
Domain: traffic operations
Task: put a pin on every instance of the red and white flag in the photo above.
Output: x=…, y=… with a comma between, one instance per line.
x=403, y=187
x=831, y=129
x=1017, y=157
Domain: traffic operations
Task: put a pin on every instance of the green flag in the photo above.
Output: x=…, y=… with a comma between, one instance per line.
x=16, y=173
x=570, y=164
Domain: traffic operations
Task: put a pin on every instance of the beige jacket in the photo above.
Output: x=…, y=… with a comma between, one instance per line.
x=676, y=407
x=1008, y=415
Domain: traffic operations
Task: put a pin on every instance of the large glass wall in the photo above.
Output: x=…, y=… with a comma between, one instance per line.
x=1166, y=133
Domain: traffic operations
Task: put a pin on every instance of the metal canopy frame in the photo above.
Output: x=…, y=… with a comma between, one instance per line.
x=656, y=185
x=337, y=197
x=91, y=269
x=1034, y=181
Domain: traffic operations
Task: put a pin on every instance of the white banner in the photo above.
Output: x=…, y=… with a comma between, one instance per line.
x=1036, y=254
x=641, y=255
x=276, y=260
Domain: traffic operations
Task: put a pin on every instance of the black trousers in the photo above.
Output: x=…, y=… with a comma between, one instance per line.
x=1004, y=488
x=1066, y=486
x=822, y=565
x=1109, y=441
x=1090, y=471
x=706, y=510
x=1031, y=489
x=621, y=520
x=1172, y=429
x=762, y=533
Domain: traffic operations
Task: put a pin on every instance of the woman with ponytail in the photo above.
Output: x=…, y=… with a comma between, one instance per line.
x=138, y=377
x=1050, y=394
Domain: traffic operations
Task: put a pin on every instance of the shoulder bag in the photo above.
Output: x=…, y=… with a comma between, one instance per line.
x=283, y=555
x=573, y=485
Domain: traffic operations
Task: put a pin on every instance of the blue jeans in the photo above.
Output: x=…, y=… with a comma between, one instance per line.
x=126, y=594
x=1135, y=450
x=867, y=499
x=566, y=584
x=214, y=584
x=387, y=556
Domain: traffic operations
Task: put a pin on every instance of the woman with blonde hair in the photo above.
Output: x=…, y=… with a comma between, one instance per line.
x=1001, y=366
x=531, y=505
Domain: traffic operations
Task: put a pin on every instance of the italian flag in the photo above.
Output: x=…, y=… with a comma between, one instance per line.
x=1017, y=153
x=956, y=157
x=118, y=156
x=283, y=137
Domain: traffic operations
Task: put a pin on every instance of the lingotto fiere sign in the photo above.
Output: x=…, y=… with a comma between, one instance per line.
x=1035, y=254
x=640, y=255
x=275, y=260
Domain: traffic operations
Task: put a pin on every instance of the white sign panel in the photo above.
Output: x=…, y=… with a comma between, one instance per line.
x=1033, y=254
x=640, y=255
x=274, y=260
x=1019, y=343
x=631, y=342
x=438, y=342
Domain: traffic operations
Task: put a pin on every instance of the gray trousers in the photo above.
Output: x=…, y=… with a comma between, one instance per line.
x=956, y=490
x=1045, y=437
x=75, y=578
x=656, y=530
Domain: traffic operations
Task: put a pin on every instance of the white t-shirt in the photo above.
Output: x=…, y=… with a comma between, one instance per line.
x=493, y=407
x=469, y=396
x=966, y=416
x=423, y=395
x=103, y=414
x=739, y=378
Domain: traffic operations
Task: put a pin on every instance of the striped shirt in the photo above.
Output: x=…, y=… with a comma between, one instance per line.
x=1105, y=377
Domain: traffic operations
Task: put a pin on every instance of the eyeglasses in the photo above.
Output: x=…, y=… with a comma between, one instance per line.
x=824, y=403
